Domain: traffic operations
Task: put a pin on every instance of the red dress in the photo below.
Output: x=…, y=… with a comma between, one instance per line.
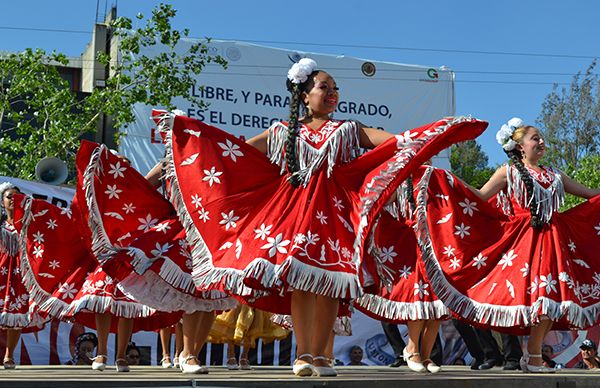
x=494, y=270
x=137, y=235
x=65, y=280
x=393, y=240
x=18, y=310
x=256, y=236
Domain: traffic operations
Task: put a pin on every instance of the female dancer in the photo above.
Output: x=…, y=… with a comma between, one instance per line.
x=18, y=312
x=285, y=232
x=141, y=243
x=411, y=300
x=522, y=267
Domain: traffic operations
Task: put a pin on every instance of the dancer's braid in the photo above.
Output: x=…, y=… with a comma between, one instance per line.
x=292, y=135
x=516, y=156
x=410, y=195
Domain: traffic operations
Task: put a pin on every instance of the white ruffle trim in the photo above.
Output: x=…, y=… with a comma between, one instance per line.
x=402, y=311
x=150, y=289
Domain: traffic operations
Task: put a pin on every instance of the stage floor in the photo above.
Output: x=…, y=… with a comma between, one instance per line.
x=349, y=377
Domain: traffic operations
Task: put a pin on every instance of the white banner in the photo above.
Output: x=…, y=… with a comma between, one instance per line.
x=56, y=195
x=250, y=95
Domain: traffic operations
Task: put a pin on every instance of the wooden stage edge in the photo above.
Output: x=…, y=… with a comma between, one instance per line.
x=275, y=377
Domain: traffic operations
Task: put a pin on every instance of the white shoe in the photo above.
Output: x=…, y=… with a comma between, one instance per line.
x=232, y=364
x=191, y=368
x=123, y=366
x=97, y=365
x=538, y=369
x=303, y=370
x=324, y=371
x=431, y=366
x=245, y=364
x=523, y=364
x=166, y=362
x=9, y=363
x=176, y=362
x=413, y=365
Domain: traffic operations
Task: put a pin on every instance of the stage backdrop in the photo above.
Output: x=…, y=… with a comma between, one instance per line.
x=250, y=95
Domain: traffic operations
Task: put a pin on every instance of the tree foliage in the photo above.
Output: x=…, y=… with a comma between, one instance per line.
x=587, y=173
x=570, y=120
x=470, y=163
x=41, y=116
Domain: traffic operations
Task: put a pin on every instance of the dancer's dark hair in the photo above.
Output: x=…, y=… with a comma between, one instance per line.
x=292, y=133
x=3, y=214
x=517, y=157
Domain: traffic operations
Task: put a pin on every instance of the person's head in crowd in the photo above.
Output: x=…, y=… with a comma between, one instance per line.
x=85, y=344
x=588, y=349
x=547, y=350
x=7, y=204
x=356, y=355
x=132, y=354
x=547, y=353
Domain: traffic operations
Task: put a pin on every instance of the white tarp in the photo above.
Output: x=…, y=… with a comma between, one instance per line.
x=57, y=195
x=247, y=97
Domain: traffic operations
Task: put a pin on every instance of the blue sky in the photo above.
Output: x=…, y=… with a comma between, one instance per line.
x=563, y=35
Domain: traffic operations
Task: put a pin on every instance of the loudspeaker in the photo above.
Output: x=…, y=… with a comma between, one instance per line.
x=51, y=170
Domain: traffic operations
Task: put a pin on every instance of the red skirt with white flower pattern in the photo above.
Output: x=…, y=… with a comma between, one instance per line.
x=393, y=241
x=255, y=236
x=495, y=270
x=137, y=236
x=64, y=280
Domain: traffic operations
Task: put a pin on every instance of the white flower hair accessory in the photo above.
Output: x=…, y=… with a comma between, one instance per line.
x=504, y=135
x=6, y=186
x=300, y=70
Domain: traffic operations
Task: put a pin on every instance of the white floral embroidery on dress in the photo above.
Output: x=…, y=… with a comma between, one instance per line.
x=229, y=220
x=455, y=263
x=548, y=283
x=449, y=250
x=421, y=289
x=479, y=261
x=54, y=264
x=113, y=191
x=507, y=259
x=230, y=149
x=38, y=237
x=38, y=251
x=67, y=211
x=51, y=224
x=572, y=246
x=117, y=170
x=147, y=223
x=525, y=270
x=387, y=254
x=321, y=217
x=405, y=272
x=468, y=207
x=68, y=290
x=263, y=231
x=276, y=244
x=462, y=230
x=128, y=208
x=212, y=176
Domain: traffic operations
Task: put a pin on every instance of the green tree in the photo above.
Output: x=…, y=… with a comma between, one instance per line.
x=570, y=120
x=587, y=173
x=41, y=116
x=470, y=163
